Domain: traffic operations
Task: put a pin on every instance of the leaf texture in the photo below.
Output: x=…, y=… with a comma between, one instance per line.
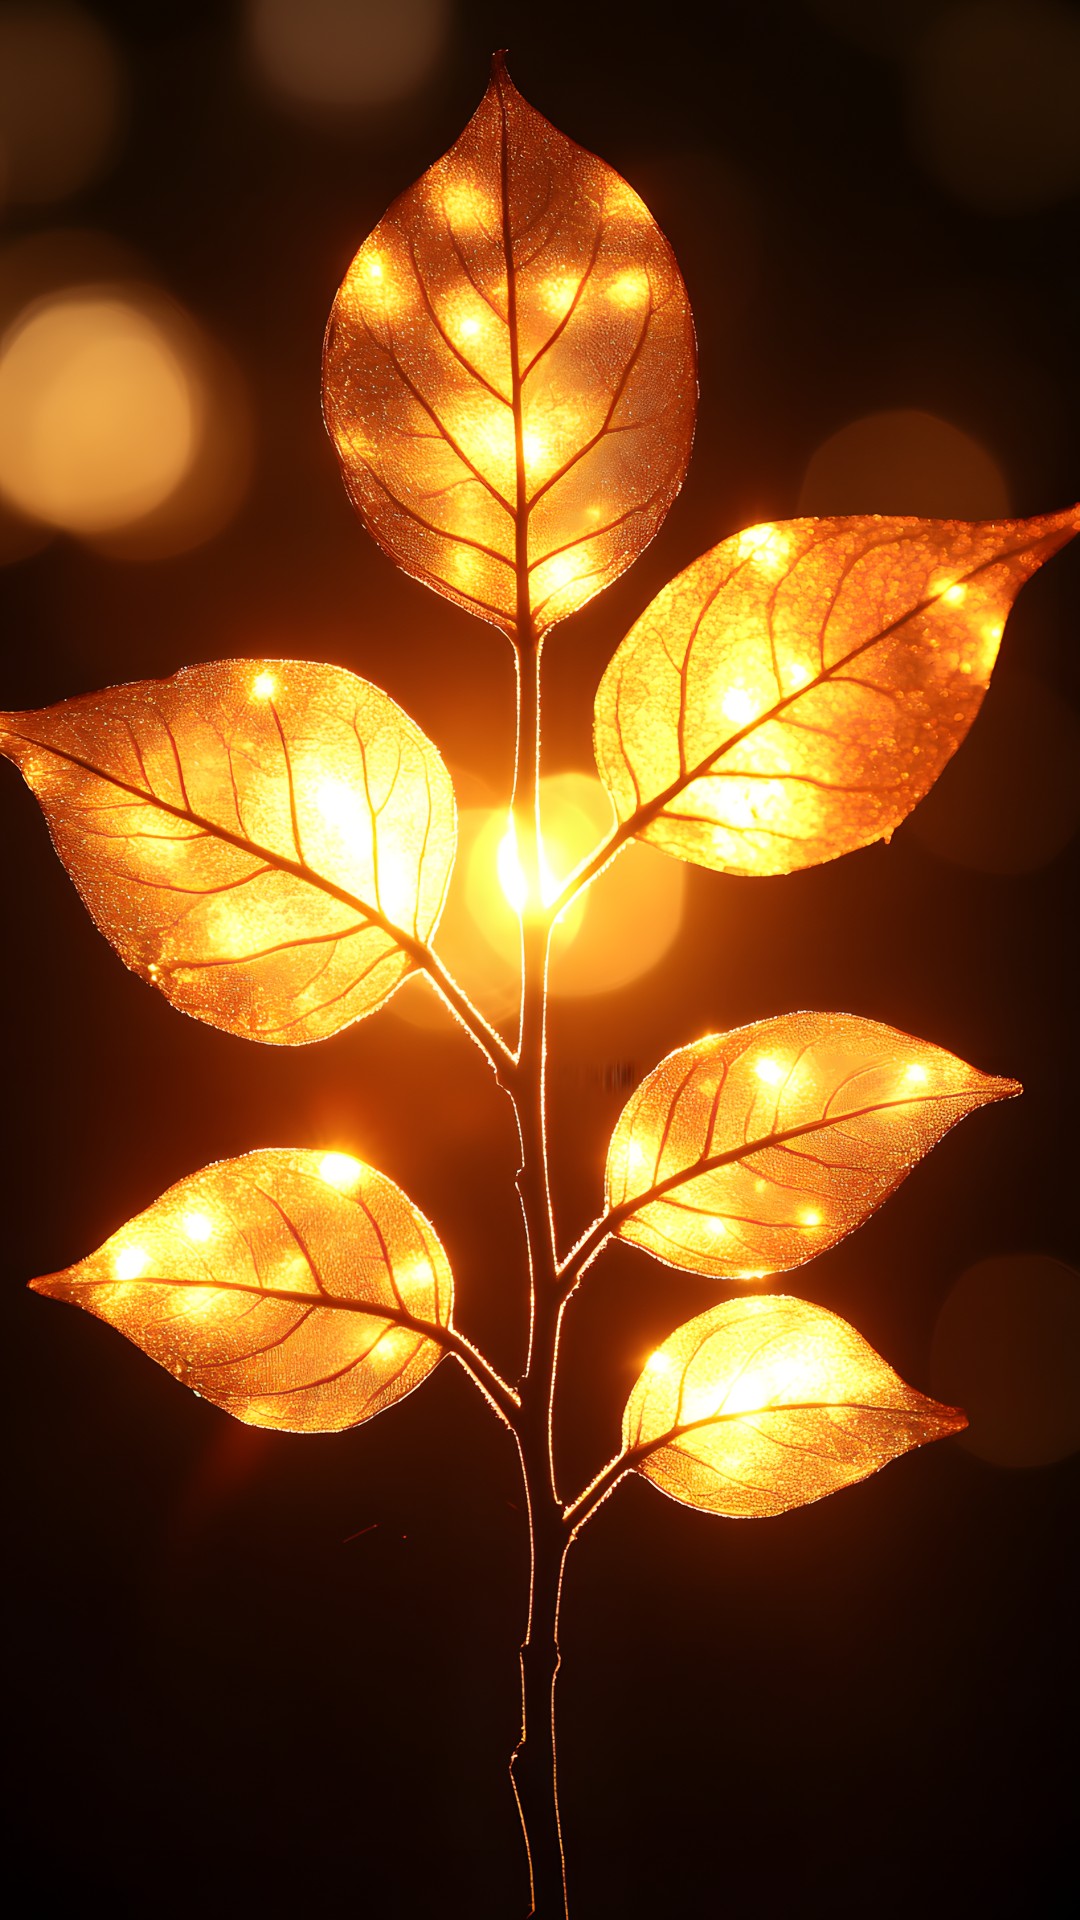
x=269, y=842
x=768, y=1403
x=280, y=1285
x=750, y=1152
x=796, y=691
x=510, y=374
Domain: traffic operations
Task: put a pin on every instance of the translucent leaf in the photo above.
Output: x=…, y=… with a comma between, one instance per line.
x=749, y=1152
x=266, y=841
x=797, y=690
x=510, y=370
x=767, y=1403
x=280, y=1286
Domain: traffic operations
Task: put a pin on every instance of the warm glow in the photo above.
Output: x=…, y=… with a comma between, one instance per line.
x=340, y=1170
x=629, y=290
x=774, y=1403
x=916, y=1073
x=335, y=55
x=904, y=460
x=761, y=628
x=285, y=1219
x=797, y=1170
x=101, y=416
x=60, y=95
x=738, y=705
x=332, y=770
x=440, y=495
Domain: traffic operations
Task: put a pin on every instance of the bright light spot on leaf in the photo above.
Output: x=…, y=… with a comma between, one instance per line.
x=198, y=1226
x=658, y=1362
x=738, y=705
x=767, y=547
x=340, y=1170
x=264, y=686
x=955, y=596
x=820, y=1152
x=130, y=1262
x=605, y=412
x=469, y=327
x=629, y=290
x=466, y=205
x=792, y=1403
x=916, y=1073
x=823, y=774
x=558, y=295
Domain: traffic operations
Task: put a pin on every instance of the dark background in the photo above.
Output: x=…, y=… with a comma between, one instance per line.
x=270, y=1674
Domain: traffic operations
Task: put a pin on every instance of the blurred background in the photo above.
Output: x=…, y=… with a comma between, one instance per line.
x=256, y=1673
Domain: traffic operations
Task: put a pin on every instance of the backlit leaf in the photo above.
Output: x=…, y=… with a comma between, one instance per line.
x=749, y=1152
x=509, y=373
x=281, y=1286
x=768, y=1403
x=266, y=841
x=794, y=693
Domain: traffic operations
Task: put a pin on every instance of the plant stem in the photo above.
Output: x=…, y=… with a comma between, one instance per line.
x=532, y=1765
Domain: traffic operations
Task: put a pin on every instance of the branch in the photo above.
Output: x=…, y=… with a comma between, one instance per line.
x=483, y=1375
x=597, y=1490
x=491, y=1043
x=592, y=1241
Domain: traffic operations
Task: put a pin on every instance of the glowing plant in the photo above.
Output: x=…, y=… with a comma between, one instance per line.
x=510, y=385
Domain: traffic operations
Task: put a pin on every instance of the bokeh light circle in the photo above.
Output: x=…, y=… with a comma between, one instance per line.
x=1007, y=1350
x=97, y=415
x=1010, y=802
x=617, y=932
x=120, y=422
x=904, y=461
x=346, y=53
x=993, y=105
x=61, y=91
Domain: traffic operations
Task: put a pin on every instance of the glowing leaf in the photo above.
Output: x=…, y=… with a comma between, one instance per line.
x=749, y=1152
x=510, y=371
x=768, y=1403
x=287, y=1287
x=269, y=842
x=797, y=690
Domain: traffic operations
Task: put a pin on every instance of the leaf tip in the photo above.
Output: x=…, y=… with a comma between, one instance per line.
x=950, y=1420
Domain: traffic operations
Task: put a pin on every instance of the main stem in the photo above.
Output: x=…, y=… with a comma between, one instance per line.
x=532, y=1766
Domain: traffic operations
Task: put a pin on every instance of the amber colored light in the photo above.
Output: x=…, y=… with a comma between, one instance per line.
x=101, y=415
x=247, y=1282
x=256, y=838
x=750, y=1152
x=764, y=1404
x=795, y=692
x=559, y=294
